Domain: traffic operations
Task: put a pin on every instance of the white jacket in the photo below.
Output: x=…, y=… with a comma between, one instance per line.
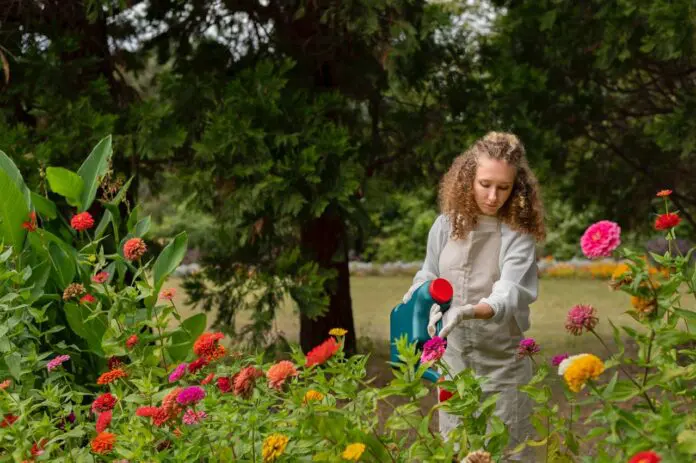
x=518, y=285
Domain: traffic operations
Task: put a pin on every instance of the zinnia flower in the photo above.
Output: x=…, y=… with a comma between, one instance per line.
x=433, y=349
x=224, y=384
x=312, y=395
x=73, y=290
x=103, y=443
x=5, y=384
x=146, y=411
x=208, y=379
x=443, y=394
x=114, y=362
x=279, y=372
x=169, y=403
x=88, y=299
x=197, y=365
x=581, y=317
x=31, y=224
x=100, y=277
x=8, y=419
x=578, y=369
x=557, y=359
x=527, y=348
x=323, y=352
x=82, y=221
x=667, y=221
x=56, y=362
x=178, y=372
x=353, y=452
x=103, y=421
x=104, y=403
x=600, y=239
x=273, y=447
x=644, y=305
x=645, y=457
x=207, y=346
x=244, y=381
x=132, y=341
x=663, y=193
x=111, y=376
x=620, y=276
x=338, y=332
x=134, y=249
x=191, y=394
x=192, y=417
x=168, y=294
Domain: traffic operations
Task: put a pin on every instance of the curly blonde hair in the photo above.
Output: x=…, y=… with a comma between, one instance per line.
x=523, y=211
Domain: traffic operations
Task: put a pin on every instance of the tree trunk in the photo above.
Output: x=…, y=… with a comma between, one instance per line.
x=324, y=239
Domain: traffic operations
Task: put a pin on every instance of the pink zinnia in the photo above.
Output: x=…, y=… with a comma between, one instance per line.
x=191, y=394
x=56, y=362
x=134, y=249
x=178, y=372
x=168, y=294
x=82, y=221
x=527, y=348
x=557, y=359
x=600, y=239
x=192, y=416
x=100, y=277
x=581, y=317
x=245, y=380
x=434, y=349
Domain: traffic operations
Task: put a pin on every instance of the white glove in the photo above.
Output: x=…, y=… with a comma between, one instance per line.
x=411, y=290
x=458, y=314
x=435, y=316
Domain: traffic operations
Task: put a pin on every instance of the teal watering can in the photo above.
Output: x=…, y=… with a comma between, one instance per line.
x=412, y=317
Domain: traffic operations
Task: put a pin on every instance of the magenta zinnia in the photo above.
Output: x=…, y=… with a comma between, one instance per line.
x=434, y=349
x=191, y=394
x=600, y=239
x=527, y=348
x=581, y=317
x=56, y=362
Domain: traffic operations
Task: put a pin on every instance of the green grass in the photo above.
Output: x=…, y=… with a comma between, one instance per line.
x=375, y=296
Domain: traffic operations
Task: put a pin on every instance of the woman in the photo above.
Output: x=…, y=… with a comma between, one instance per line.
x=484, y=243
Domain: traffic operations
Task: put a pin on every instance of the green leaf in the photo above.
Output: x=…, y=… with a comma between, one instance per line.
x=183, y=338
x=63, y=264
x=85, y=324
x=93, y=170
x=168, y=260
x=142, y=227
x=14, y=364
x=15, y=203
x=44, y=206
x=66, y=183
x=687, y=441
x=103, y=223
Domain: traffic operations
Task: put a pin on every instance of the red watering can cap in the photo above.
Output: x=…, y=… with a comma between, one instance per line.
x=441, y=290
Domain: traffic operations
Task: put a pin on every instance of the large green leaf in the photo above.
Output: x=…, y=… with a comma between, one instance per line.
x=66, y=183
x=63, y=265
x=15, y=203
x=169, y=259
x=91, y=330
x=93, y=170
x=183, y=338
x=44, y=206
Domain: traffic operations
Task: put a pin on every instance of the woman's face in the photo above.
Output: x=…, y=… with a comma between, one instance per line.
x=492, y=184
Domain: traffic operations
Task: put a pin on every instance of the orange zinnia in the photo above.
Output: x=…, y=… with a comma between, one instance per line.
x=103, y=443
x=663, y=193
x=207, y=346
x=322, y=352
x=279, y=372
x=111, y=376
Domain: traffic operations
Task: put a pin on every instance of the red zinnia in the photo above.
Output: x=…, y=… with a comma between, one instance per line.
x=667, y=221
x=132, y=341
x=100, y=277
x=103, y=421
x=104, y=403
x=224, y=384
x=645, y=457
x=103, y=443
x=146, y=411
x=197, y=365
x=208, y=379
x=82, y=221
x=322, y=352
x=207, y=346
x=134, y=249
x=8, y=420
x=88, y=299
x=111, y=376
x=31, y=224
x=663, y=193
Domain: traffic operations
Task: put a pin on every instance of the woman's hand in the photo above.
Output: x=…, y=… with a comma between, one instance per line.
x=459, y=314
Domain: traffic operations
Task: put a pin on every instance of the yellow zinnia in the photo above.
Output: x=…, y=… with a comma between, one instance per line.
x=353, y=452
x=580, y=369
x=313, y=395
x=338, y=332
x=273, y=447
